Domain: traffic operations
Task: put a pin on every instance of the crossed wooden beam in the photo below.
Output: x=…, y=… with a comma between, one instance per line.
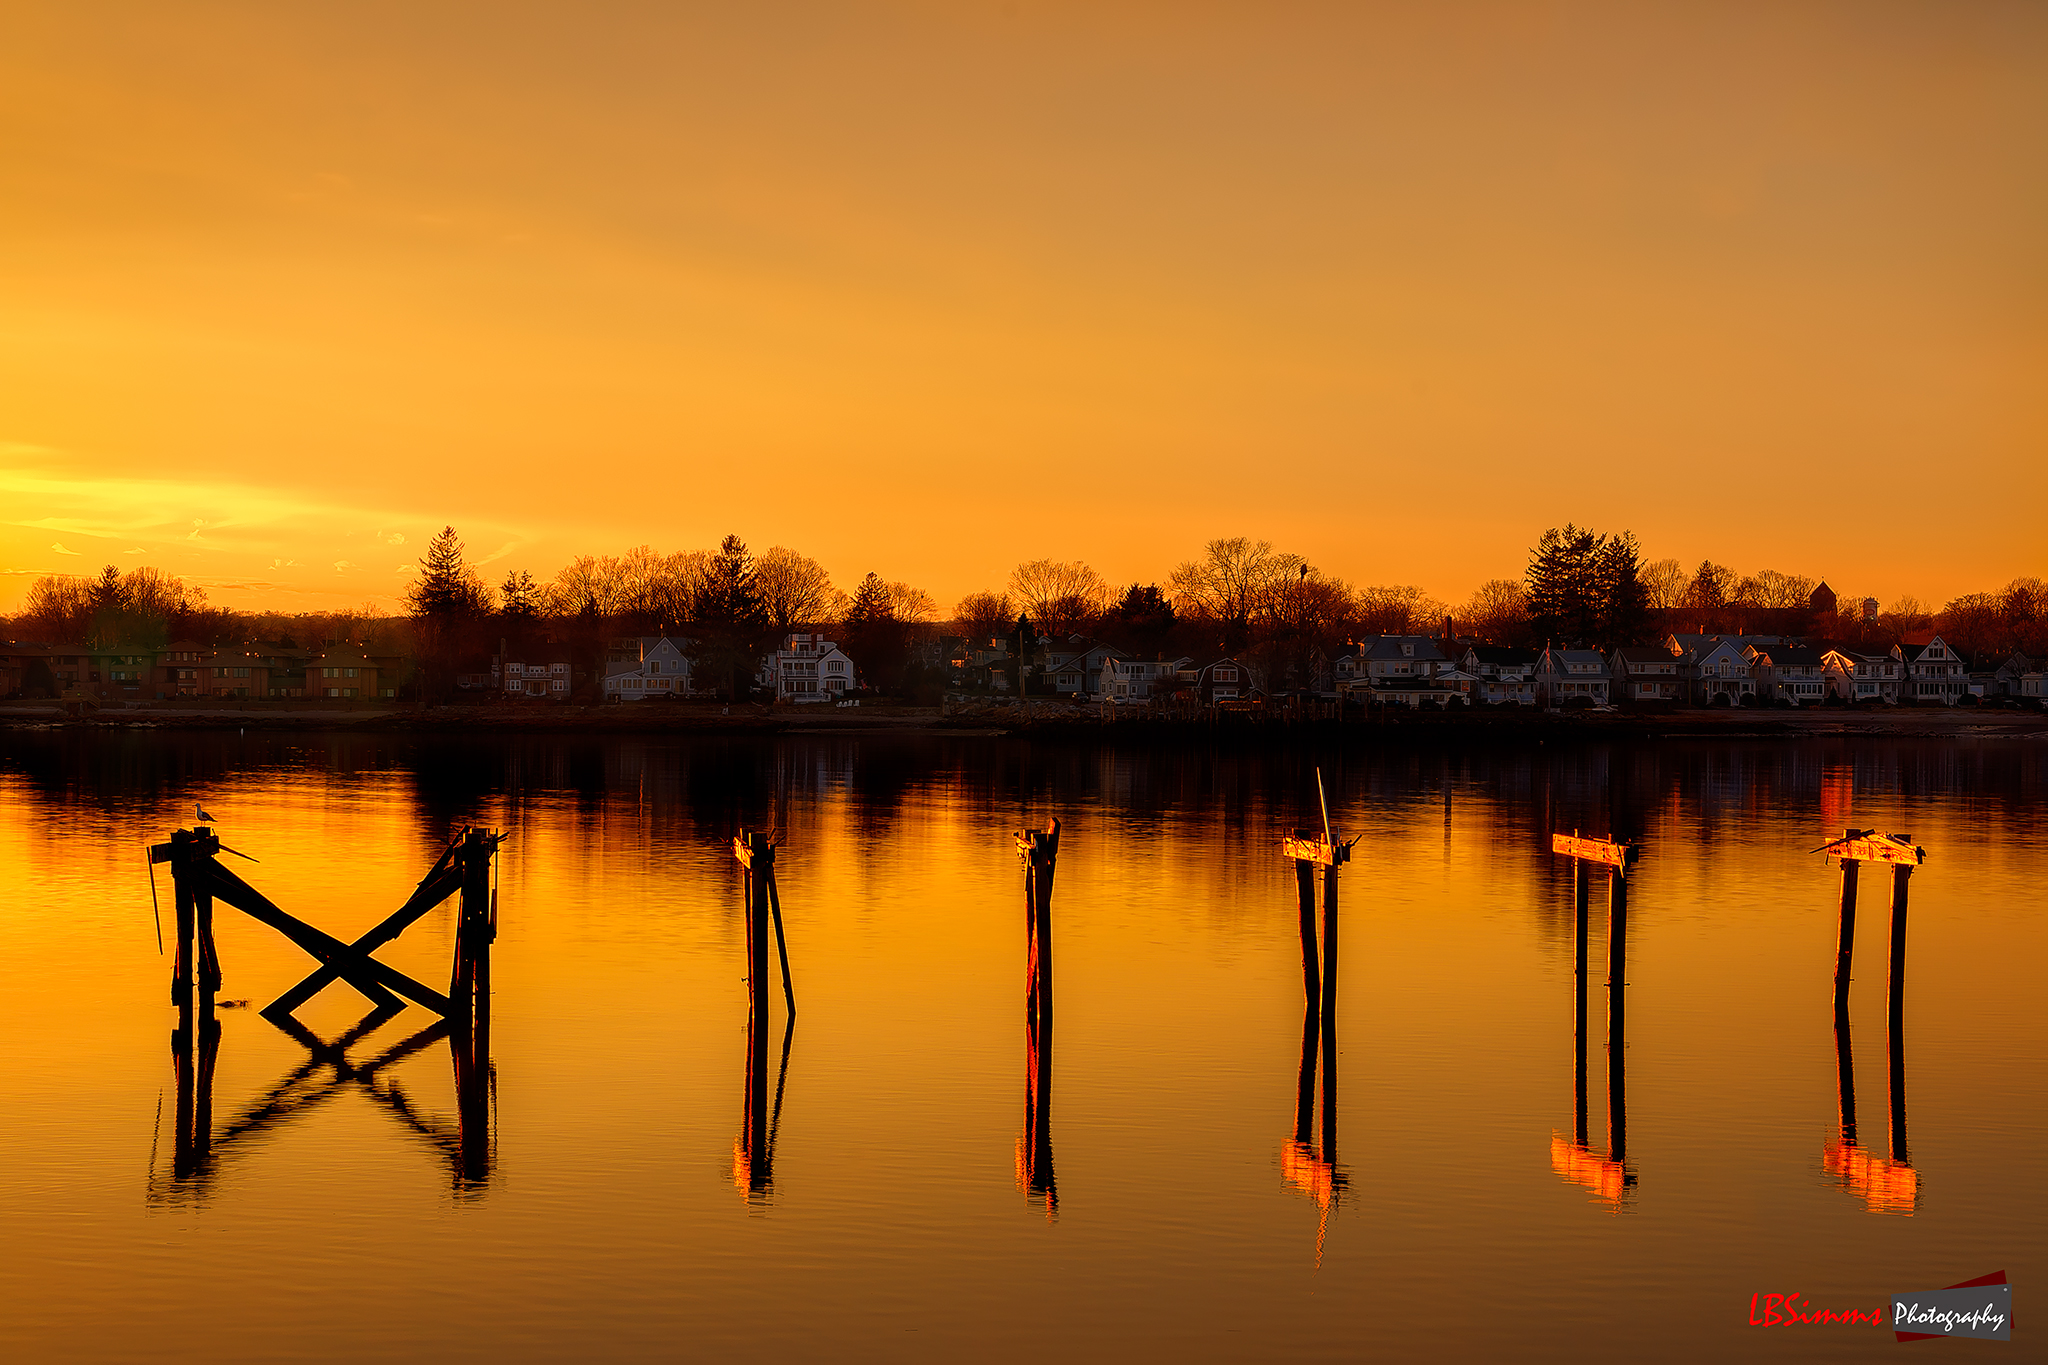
x=195, y=867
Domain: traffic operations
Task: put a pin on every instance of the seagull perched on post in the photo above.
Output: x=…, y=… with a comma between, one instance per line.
x=199, y=813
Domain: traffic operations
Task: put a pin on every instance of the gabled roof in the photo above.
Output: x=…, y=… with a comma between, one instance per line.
x=1390, y=647
x=1643, y=654
x=1502, y=654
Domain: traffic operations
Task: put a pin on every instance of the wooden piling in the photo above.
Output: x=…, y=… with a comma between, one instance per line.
x=1617, y=1037
x=1845, y=942
x=1305, y=893
x=1581, y=893
x=1305, y=1091
x=1329, y=1013
x=183, y=967
x=1902, y=876
x=1040, y=850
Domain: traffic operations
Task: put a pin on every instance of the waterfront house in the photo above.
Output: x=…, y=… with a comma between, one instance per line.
x=808, y=668
x=1934, y=672
x=1564, y=675
x=1862, y=675
x=1646, y=673
x=1789, y=672
x=1124, y=679
x=652, y=666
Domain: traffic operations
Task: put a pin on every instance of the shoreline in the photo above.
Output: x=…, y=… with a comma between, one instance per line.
x=1049, y=720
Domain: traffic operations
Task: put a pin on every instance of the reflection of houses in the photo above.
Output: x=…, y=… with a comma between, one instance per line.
x=808, y=668
x=1564, y=675
x=1934, y=672
x=1859, y=676
x=658, y=667
x=1645, y=675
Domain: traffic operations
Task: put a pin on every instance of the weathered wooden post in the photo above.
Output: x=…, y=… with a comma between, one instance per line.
x=1608, y=1175
x=1845, y=1079
x=1581, y=893
x=1039, y=850
x=1314, y=1169
x=1845, y=939
x=1305, y=893
x=1902, y=876
x=1617, y=990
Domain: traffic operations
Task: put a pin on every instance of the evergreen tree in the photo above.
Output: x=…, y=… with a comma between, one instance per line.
x=519, y=599
x=873, y=636
x=1625, y=602
x=448, y=603
x=1565, y=599
x=732, y=625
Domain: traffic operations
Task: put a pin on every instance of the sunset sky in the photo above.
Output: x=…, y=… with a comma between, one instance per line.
x=931, y=288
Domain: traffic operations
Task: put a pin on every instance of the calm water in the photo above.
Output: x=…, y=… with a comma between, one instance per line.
x=599, y=1199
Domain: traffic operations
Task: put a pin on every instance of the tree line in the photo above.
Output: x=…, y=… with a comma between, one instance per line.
x=1237, y=596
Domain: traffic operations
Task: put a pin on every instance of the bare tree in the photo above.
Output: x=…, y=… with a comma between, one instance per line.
x=1498, y=611
x=985, y=615
x=1401, y=609
x=796, y=591
x=1230, y=581
x=1773, y=590
x=1059, y=597
x=913, y=606
x=1906, y=617
x=1665, y=581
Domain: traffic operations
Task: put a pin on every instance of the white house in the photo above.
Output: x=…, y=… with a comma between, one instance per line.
x=662, y=669
x=1563, y=675
x=1934, y=672
x=1646, y=674
x=1136, y=679
x=1506, y=676
x=808, y=668
x=1791, y=673
x=1857, y=676
x=547, y=676
x=1719, y=666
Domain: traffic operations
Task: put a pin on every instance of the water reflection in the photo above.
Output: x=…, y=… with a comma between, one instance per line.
x=468, y=1145
x=753, y=1151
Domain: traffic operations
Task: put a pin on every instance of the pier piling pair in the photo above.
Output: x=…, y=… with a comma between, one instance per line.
x=754, y=1152
x=1608, y=1175
x=1888, y=1184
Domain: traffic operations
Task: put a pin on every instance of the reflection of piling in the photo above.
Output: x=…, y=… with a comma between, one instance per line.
x=1845, y=1078
x=1040, y=852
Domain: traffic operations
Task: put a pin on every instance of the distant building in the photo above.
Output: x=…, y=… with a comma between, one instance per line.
x=1646, y=674
x=1934, y=672
x=1822, y=600
x=808, y=668
x=1564, y=675
x=1863, y=675
x=656, y=666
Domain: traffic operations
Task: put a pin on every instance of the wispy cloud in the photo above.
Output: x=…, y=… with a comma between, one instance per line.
x=61, y=550
x=342, y=566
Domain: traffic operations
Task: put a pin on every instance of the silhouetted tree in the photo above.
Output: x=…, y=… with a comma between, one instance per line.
x=1624, y=601
x=1565, y=597
x=982, y=616
x=872, y=634
x=732, y=625
x=448, y=603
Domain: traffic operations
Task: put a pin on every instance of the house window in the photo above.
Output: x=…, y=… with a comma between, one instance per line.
x=1226, y=675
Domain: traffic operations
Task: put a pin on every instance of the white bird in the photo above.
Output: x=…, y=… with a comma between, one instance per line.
x=202, y=815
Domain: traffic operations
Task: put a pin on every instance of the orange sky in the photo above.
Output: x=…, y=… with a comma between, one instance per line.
x=928, y=289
